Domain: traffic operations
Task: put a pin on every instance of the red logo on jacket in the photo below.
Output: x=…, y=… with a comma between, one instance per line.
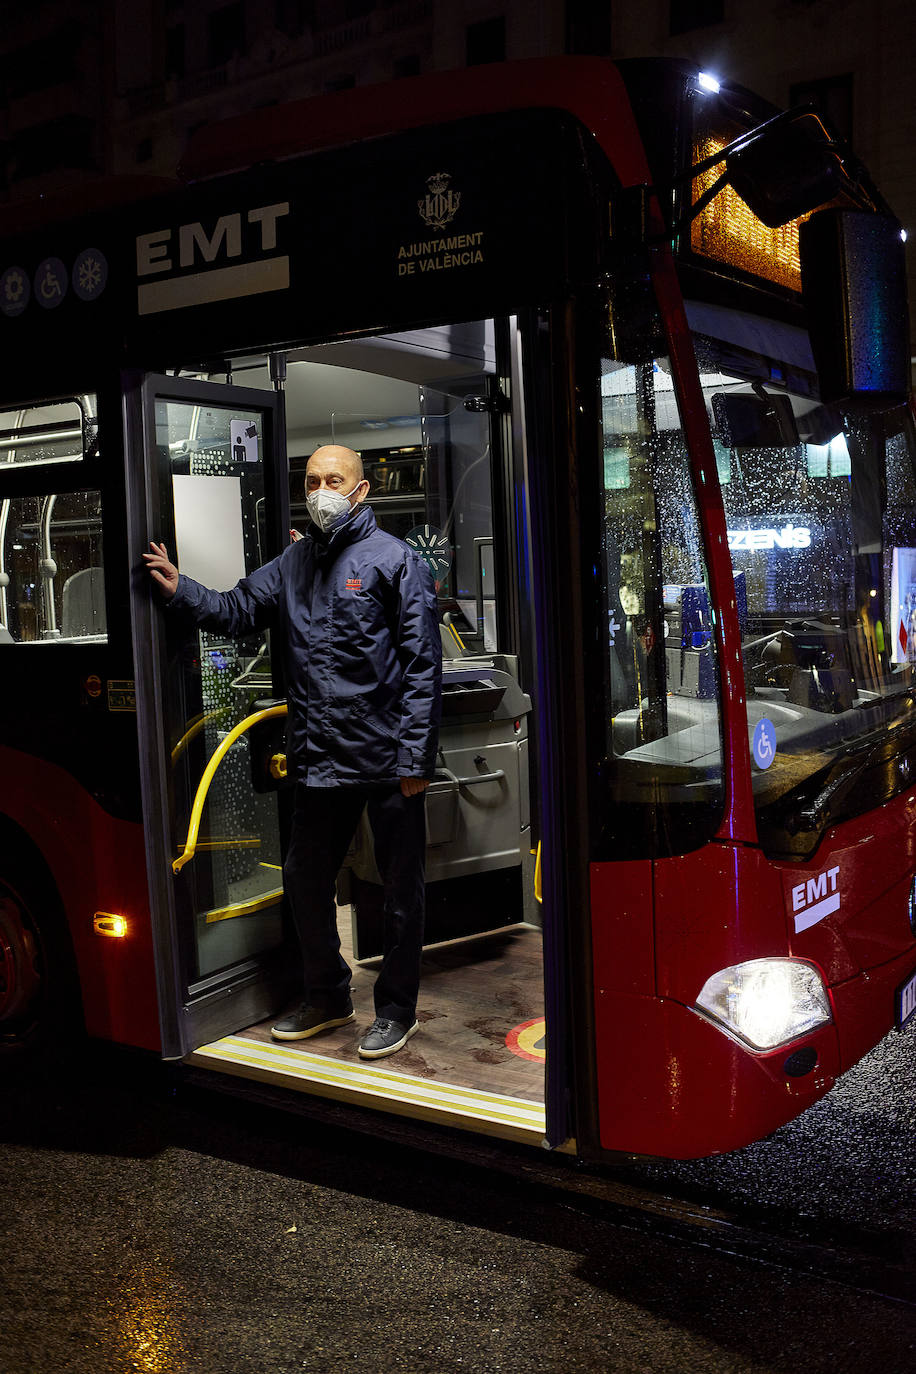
x=354, y=584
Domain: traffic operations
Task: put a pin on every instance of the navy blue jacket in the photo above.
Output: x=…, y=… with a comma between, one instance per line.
x=356, y=614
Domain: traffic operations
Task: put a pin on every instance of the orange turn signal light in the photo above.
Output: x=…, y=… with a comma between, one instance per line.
x=106, y=923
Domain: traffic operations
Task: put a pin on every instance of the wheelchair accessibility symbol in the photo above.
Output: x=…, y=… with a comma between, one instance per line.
x=764, y=743
x=51, y=282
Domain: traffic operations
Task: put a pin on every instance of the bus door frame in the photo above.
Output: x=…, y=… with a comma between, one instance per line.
x=543, y=380
x=247, y=991
x=531, y=413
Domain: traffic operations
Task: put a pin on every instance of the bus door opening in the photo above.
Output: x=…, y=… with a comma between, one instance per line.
x=421, y=410
x=417, y=408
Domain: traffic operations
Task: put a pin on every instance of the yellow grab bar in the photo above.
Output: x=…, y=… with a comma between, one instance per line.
x=538, y=883
x=226, y=913
x=194, y=728
x=203, y=788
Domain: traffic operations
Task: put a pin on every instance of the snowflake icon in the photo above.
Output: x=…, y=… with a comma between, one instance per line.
x=90, y=274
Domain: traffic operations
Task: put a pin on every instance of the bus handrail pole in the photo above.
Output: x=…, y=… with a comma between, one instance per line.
x=4, y=518
x=4, y=579
x=47, y=567
x=209, y=772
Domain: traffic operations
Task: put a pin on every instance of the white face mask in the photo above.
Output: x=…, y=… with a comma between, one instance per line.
x=327, y=508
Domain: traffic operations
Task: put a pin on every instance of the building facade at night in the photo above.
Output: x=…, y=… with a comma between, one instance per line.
x=93, y=87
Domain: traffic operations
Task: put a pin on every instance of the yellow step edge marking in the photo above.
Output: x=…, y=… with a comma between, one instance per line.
x=301, y=1061
x=362, y=1078
x=455, y=1110
x=486, y=1123
x=372, y=1082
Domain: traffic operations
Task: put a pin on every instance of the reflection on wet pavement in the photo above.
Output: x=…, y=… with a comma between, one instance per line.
x=153, y=1228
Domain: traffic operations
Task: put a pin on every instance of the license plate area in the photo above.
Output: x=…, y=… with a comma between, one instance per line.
x=906, y=1001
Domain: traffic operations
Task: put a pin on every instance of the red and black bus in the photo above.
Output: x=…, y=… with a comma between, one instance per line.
x=625, y=355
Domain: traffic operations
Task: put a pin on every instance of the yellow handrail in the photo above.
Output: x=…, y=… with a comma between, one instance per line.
x=253, y=904
x=538, y=883
x=204, y=786
x=194, y=728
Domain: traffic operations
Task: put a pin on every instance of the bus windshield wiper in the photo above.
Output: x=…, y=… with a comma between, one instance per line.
x=822, y=806
x=820, y=809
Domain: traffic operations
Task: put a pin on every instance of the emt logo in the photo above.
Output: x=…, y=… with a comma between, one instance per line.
x=236, y=256
x=815, y=899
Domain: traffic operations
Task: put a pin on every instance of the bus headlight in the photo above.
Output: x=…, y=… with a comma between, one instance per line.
x=766, y=1002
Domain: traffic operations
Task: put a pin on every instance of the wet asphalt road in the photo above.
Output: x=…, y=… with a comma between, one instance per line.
x=159, y=1227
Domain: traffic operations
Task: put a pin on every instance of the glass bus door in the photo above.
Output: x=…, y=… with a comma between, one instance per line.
x=205, y=458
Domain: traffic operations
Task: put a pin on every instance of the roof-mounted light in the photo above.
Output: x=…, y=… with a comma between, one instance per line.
x=708, y=83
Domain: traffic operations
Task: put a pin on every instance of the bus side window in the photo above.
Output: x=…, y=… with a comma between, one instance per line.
x=52, y=581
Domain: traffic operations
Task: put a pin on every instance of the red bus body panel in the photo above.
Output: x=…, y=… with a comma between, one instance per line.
x=875, y=858
x=670, y=1082
x=98, y=863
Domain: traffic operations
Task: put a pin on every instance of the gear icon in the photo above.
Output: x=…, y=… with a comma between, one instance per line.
x=14, y=287
x=15, y=290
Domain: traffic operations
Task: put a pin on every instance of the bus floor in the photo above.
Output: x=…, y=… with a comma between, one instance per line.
x=477, y=998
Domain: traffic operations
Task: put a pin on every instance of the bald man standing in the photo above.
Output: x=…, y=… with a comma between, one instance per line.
x=356, y=610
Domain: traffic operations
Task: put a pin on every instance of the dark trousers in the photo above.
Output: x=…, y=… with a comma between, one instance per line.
x=324, y=819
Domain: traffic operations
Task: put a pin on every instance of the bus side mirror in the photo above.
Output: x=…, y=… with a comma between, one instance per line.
x=787, y=170
x=854, y=286
x=759, y=421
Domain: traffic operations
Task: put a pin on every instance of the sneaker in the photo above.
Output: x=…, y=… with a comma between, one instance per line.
x=308, y=1021
x=384, y=1037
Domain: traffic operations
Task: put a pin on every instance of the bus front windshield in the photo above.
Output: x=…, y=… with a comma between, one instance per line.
x=820, y=506
x=656, y=748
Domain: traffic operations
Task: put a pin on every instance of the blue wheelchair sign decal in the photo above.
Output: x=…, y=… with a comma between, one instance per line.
x=764, y=743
